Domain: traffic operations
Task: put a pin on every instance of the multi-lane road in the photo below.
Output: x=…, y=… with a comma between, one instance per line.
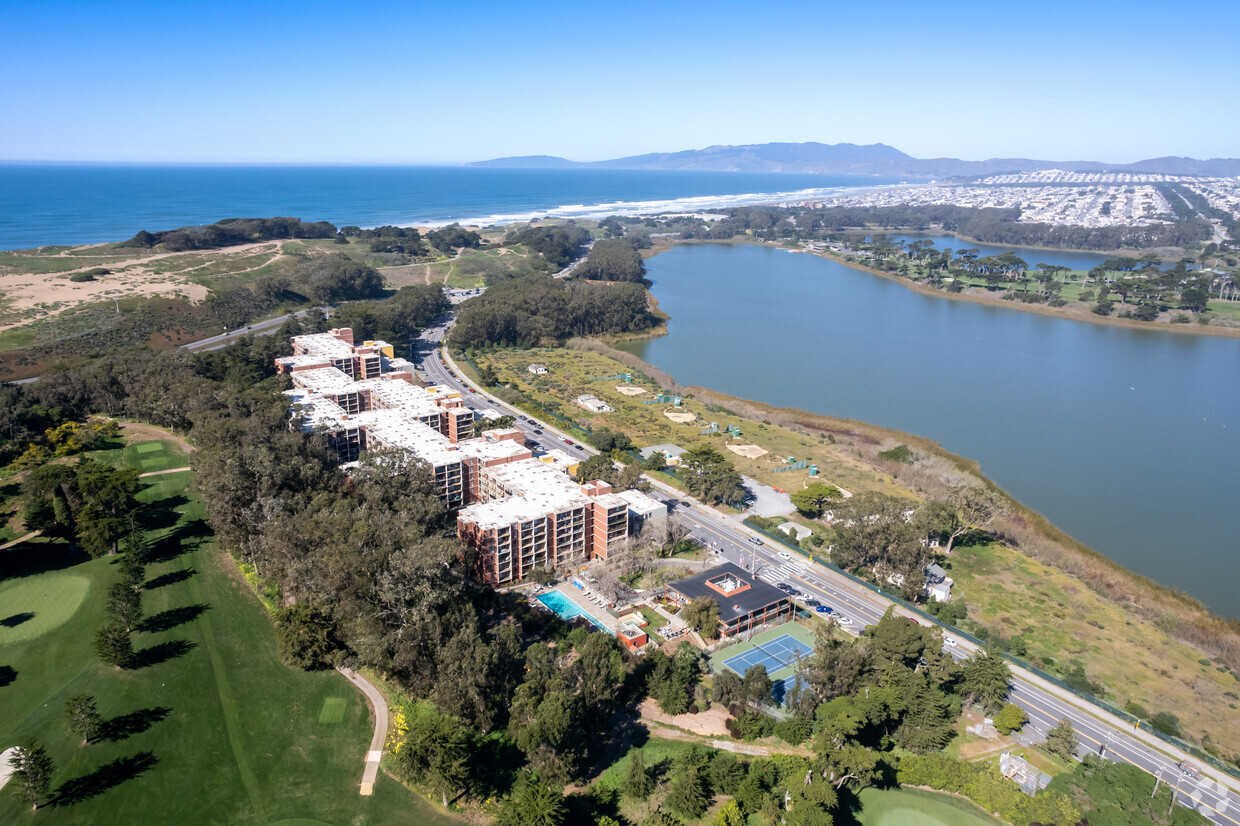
x=725, y=537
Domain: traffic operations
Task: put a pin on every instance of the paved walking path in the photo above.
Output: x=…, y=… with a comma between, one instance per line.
x=162, y=472
x=19, y=540
x=381, y=725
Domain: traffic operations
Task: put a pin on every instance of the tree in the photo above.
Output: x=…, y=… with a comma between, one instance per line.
x=487, y=376
x=109, y=498
x=898, y=639
x=113, y=645
x=305, y=637
x=710, y=476
x=82, y=717
x=656, y=462
x=435, y=751
x=32, y=771
x=726, y=688
x=986, y=679
x=730, y=815
x=688, y=794
x=124, y=605
x=1061, y=740
x=756, y=685
x=613, y=259
x=637, y=784
x=702, y=615
x=607, y=440
x=812, y=499
x=596, y=467
x=972, y=508
x=1010, y=718
x=533, y=803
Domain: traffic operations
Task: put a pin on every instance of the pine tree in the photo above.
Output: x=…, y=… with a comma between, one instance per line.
x=1061, y=740
x=124, y=605
x=82, y=717
x=637, y=783
x=32, y=771
x=113, y=645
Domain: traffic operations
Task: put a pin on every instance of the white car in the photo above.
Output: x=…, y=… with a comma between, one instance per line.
x=950, y=642
x=784, y=555
x=843, y=620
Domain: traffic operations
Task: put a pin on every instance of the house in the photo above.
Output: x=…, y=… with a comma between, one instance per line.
x=537, y=369
x=938, y=583
x=1019, y=771
x=670, y=452
x=594, y=404
x=745, y=602
x=645, y=510
x=793, y=529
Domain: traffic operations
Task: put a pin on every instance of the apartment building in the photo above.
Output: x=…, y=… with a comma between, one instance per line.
x=518, y=513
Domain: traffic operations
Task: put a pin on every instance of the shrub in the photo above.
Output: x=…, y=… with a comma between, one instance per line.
x=306, y=637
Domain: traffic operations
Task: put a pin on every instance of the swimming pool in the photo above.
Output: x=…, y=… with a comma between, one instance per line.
x=568, y=609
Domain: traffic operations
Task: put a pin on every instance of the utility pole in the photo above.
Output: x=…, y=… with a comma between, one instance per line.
x=1157, y=780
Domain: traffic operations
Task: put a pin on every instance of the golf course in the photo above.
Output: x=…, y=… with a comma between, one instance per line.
x=208, y=726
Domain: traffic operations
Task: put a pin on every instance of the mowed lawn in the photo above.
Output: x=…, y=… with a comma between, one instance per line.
x=214, y=730
x=913, y=807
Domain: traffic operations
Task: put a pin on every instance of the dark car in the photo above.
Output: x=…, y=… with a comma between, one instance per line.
x=536, y=430
x=812, y=603
x=785, y=587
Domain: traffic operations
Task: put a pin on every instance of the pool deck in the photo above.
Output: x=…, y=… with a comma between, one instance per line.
x=601, y=615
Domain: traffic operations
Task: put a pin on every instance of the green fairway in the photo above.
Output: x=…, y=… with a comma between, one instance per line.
x=145, y=456
x=913, y=807
x=214, y=729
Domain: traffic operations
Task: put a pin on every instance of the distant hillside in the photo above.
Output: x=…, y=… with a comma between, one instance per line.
x=850, y=159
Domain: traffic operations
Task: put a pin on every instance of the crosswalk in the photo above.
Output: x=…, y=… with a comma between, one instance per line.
x=785, y=572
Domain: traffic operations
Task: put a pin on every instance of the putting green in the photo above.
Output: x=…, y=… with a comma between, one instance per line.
x=32, y=607
x=913, y=807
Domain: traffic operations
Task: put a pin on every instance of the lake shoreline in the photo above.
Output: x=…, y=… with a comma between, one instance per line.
x=1130, y=590
x=1192, y=329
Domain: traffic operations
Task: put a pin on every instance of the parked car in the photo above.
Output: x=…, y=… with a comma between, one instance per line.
x=755, y=540
x=784, y=555
x=785, y=587
x=568, y=441
x=809, y=602
x=824, y=609
x=521, y=416
x=843, y=620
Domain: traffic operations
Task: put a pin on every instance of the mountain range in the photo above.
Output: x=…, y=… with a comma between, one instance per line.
x=874, y=159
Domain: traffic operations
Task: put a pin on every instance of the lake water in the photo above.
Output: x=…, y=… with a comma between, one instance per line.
x=90, y=203
x=1031, y=256
x=1129, y=440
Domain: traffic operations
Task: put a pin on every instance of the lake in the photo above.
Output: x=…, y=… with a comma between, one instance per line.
x=1032, y=257
x=1127, y=439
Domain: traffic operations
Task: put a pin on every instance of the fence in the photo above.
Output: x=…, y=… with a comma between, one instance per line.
x=1101, y=704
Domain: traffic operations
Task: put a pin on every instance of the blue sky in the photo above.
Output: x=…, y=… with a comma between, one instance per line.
x=416, y=82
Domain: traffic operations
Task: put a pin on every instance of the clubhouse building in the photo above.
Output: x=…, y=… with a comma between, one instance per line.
x=745, y=602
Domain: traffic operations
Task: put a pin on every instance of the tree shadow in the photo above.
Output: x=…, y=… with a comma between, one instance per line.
x=847, y=810
x=135, y=722
x=170, y=578
x=184, y=539
x=103, y=778
x=167, y=620
x=161, y=653
x=17, y=619
x=7, y=675
x=162, y=514
x=35, y=557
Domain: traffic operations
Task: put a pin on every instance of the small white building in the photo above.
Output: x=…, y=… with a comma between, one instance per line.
x=938, y=583
x=645, y=510
x=594, y=404
x=537, y=369
x=791, y=528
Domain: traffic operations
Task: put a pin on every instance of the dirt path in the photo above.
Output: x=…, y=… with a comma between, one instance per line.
x=376, y=701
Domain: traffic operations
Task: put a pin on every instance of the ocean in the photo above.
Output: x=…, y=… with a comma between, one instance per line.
x=61, y=204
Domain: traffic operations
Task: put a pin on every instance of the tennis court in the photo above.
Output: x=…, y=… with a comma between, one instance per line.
x=777, y=649
x=776, y=654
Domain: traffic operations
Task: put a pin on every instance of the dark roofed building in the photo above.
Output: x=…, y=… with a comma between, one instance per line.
x=744, y=601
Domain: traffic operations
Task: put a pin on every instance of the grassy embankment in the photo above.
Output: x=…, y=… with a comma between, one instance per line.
x=1064, y=619
x=215, y=729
